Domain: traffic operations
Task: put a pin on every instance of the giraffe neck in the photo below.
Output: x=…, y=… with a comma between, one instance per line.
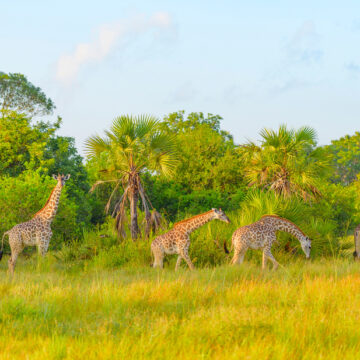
x=48, y=212
x=287, y=226
x=195, y=222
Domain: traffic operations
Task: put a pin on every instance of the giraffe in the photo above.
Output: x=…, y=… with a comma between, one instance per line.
x=357, y=243
x=177, y=240
x=37, y=231
x=261, y=235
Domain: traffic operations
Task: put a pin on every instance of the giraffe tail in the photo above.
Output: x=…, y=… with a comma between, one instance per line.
x=2, y=245
x=225, y=248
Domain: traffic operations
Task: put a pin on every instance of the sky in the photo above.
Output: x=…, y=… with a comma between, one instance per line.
x=256, y=63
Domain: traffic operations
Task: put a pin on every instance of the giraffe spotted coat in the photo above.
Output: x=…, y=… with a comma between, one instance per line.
x=262, y=234
x=37, y=231
x=177, y=240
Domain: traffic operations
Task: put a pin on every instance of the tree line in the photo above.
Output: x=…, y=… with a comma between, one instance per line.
x=145, y=170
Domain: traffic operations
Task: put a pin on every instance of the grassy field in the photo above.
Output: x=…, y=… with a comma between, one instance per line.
x=307, y=310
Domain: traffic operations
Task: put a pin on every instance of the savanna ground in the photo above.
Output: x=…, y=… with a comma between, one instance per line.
x=63, y=309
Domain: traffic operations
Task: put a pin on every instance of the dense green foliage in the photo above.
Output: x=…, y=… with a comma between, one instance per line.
x=208, y=159
x=20, y=95
x=22, y=145
x=345, y=156
x=181, y=166
x=286, y=162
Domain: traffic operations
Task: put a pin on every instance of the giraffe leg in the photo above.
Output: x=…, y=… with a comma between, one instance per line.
x=43, y=240
x=158, y=256
x=239, y=254
x=42, y=246
x=17, y=247
x=270, y=256
x=264, y=258
x=178, y=262
x=42, y=249
x=184, y=254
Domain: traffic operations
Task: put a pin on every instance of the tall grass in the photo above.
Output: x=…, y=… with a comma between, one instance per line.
x=308, y=310
x=99, y=299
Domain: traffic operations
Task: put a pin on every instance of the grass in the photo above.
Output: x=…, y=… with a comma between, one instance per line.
x=80, y=310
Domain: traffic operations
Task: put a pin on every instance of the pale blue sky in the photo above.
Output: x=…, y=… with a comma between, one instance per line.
x=256, y=63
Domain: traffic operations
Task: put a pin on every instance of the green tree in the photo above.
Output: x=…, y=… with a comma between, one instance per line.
x=345, y=158
x=20, y=95
x=207, y=154
x=133, y=146
x=339, y=204
x=22, y=145
x=37, y=148
x=286, y=161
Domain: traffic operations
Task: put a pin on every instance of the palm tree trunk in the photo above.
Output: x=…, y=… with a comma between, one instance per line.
x=134, y=197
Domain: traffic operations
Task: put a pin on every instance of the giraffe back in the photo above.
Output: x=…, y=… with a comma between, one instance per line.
x=29, y=231
x=254, y=235
x=171, y=240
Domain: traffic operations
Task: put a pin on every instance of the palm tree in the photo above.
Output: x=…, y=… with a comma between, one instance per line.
x=286, y=161
x=132, y=146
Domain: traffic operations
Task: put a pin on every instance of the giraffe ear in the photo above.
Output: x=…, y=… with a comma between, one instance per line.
x=55, y=177
x=67, y=177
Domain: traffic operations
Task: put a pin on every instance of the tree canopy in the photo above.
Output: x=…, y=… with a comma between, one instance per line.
x=345, y=158
x=132, y=146
x=207, y=155
x=18, y=94
x=22, y=145
x=286, y=161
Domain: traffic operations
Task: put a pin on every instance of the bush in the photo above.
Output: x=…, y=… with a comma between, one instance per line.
x=102, y=248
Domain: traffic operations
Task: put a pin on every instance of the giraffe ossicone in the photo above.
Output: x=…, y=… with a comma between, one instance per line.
x=37, y=231
x=177, y=240
x=262, y=234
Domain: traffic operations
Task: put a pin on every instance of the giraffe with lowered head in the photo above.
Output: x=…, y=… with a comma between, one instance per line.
x=261, y=235
x=37, y=231
x=177, y=240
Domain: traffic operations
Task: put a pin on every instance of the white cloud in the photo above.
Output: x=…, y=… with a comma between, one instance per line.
x=108, y=38
x=304, y=44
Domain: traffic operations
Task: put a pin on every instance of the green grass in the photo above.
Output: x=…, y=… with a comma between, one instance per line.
x=57, y=310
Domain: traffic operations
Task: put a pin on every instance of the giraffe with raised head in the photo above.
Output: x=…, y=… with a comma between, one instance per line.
x=37, y=231
x=261, y=235
x=177, y=240
x=357, y=243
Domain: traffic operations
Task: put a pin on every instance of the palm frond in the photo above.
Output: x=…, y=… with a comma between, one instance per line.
x=95, y=145
x=132, y=146
x=100, y=182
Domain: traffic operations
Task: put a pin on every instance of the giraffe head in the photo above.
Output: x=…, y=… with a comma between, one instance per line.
x=306, y=246
x=61, y=178
x=220, y=215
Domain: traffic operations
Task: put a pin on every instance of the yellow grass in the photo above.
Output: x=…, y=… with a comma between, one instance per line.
x=303, y=311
